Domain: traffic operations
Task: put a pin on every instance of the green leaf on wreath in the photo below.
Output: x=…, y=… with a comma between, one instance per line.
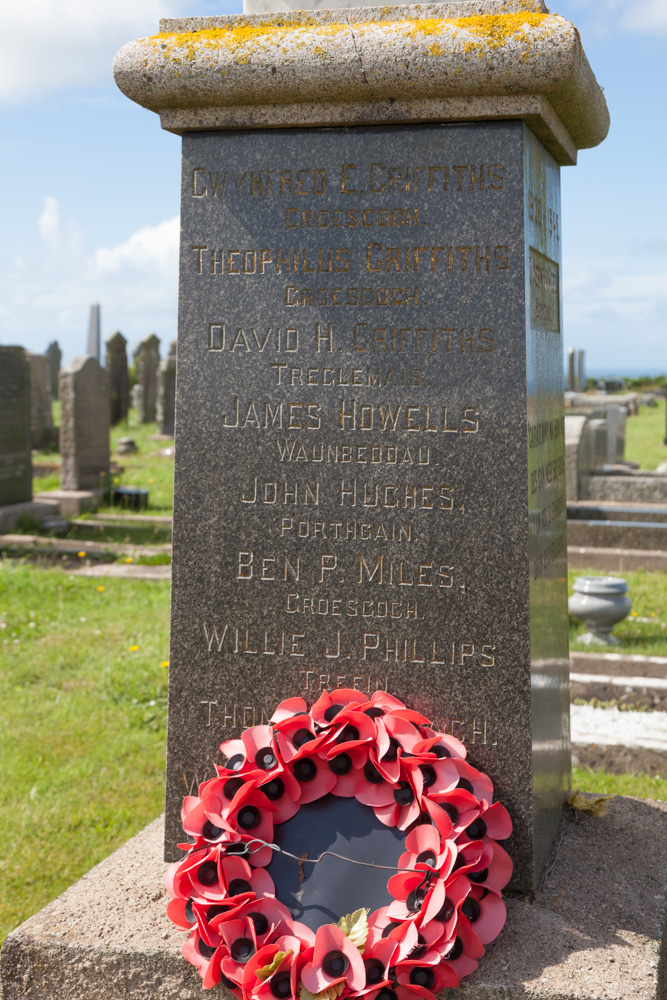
x=268, y=970
x=355, y=927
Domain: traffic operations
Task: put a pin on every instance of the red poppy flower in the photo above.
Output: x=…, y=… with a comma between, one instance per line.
x=286, y=709
x=334, y=960
x=314, y=777
x=427, y=849
x=348, y=767
x=378, y=957
x=493, y=821
x=284, y=958
x=296, y=737
x=462, y=953
x=327, y=706
x=486, y=913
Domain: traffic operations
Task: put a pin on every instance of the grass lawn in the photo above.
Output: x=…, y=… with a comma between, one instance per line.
x=148, y=468
x=648, y=592
x=83, y=696
x=645, y=437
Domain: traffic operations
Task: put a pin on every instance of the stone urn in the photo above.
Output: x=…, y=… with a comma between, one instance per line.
x=600, y=602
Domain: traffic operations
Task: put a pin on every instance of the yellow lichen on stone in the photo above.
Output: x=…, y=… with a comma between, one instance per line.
x=489, y=31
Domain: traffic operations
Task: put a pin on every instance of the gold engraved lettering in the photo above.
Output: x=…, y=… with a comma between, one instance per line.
x=411, y=417
x=345, y=531
x=296, y=450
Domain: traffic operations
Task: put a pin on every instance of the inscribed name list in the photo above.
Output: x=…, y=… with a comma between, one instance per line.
x=351, y=485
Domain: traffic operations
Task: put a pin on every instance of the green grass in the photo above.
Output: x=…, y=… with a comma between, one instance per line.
x=641, y=786
x=645, y=436
x=648, y=592
x=82, y=723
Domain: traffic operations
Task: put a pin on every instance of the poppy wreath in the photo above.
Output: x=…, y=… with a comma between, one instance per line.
x=446, y=893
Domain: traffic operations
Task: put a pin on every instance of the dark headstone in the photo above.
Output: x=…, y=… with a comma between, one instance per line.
x=119, y=379
x=166, y=395
x=84, y=424
x=93, y=348
x=54, y=354
x=148, y=361
x=41, y=418
x=370, y=472
x=15, y=459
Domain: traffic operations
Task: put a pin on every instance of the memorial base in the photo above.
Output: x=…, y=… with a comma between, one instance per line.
x=72, y=502
x=595, y=929
x=36, y=509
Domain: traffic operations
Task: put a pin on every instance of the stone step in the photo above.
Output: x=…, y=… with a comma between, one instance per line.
x=615, y=560
x=587, y=510
x=618, y=664
x=617, y=534
x=38, y=545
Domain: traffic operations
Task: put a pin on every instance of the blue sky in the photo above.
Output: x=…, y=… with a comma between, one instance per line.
x=89, y=183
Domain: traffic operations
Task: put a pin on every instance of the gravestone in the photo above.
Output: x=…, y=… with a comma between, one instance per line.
x=93, y=347
x=15, y=458
x=166, y=395
x=41, y=419
x=370, y=468
x=617, y=417
x=571, y=375
x=148, y=361
x=119, y=379
x=581, y=372
x=54, y=354
x=136, y=397
x=84, y=424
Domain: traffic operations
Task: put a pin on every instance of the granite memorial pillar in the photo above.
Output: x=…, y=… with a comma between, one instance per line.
x=15, y=457
x=571, y=372
x=84, y=424
x=370, y=464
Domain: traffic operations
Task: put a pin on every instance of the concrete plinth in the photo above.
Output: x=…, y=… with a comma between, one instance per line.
x=72, y=502
x=37, y=509
x=594, y=930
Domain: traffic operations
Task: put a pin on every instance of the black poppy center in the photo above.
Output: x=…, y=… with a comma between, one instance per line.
x=386, y=994
x=265, y=758
x=242, y=950
x=404, y=794
x=210, y=832
x=214, y=911
x=372, y=774
x=471, y=909
x=249, y=817
x=374, y=971
x=477, y=829
x=428, y=775
x=231, y=787
x=205, y=950
x=389, y=928
x=479, y=876
x=304, y=770
x=207, y=873
x=348, y=734
x=441, y=752
x=259, y=921
x=236, y=762
x=238, y=848
x=446, y=911
x=332, y=712
x=335, y=964
x=426, y=858
x=392, y=752
x=374, y=712
x=342, y=764
x=281, y=985
x=465, y=785
x=301, y=737
x=451, y=811
x=239, y=885
x=455, y=951
x=189, y=912
x=274, y=789
x=423, y=977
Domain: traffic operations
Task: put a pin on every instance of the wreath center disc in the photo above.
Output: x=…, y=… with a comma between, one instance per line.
x=322, y=893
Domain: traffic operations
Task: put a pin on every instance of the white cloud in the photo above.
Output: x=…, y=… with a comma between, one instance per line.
x=46, y=295
x=46, y=45
x=638, y=16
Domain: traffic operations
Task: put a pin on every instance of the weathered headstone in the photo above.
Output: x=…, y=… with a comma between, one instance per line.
x=136, y=397
x=571, y=375
x=148, y=361
x=581, y=372
x=84, y=424
x=54, y=354
x=617, y=417
x=166, y=396
x=41, y=417
x=15, y=458
x=370, y=469
x=93, y=348
x=119, y=379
